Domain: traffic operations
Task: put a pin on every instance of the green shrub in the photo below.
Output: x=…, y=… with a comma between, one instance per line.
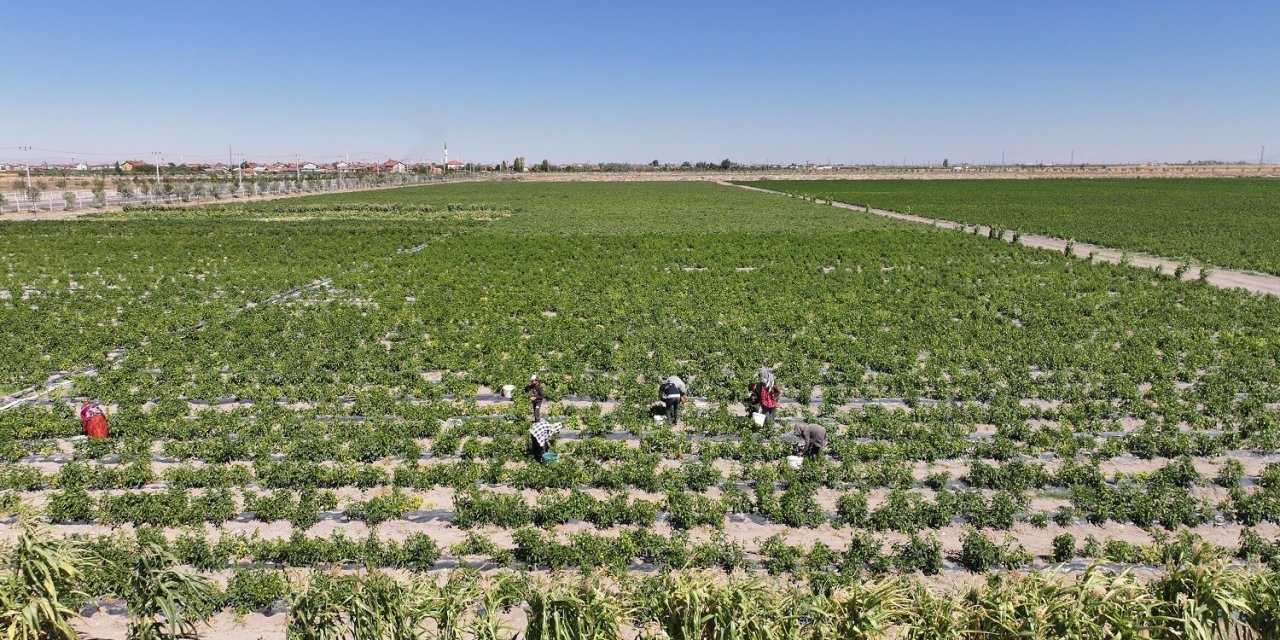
x=1064, y=547
x=254, y=589
x=923, y=554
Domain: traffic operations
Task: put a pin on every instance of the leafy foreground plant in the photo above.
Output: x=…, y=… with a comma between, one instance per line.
x=165, y=603
x=866, y=610
x=1038, y=605
x=376, y=606
x=317, y=608
x=701, y=606
x=1201, y=598
x=576, y=611
x=45, y=576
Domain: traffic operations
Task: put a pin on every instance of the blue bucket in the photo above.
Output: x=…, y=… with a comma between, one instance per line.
x=549, y=457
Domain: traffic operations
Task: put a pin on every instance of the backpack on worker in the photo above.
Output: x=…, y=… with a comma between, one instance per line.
x=667, y=389
x=768, y=397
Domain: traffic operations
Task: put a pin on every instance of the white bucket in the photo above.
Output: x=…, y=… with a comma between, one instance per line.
x=659, y=419
x=508, y=390
x=757, y=418
x=794, y=461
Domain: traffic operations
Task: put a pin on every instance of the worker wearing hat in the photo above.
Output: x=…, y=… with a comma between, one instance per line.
x=536, y=395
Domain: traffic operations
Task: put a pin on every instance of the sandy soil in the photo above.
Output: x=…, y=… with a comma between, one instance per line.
x=1223, y=278
x=224, y=626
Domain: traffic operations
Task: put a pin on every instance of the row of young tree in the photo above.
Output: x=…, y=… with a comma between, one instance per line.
x=171, y=189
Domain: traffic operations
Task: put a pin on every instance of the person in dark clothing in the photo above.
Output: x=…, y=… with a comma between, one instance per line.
x=813, y=439
x=536, y=449
x=672, y=392
x=536, y=395
x=765, y=393
x=541, y=437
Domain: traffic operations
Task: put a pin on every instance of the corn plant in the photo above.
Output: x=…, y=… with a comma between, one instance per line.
x=447, y=605
x=163, y=602
x=1262, y=595
x=575, y=610
x=383, y=608
x=933, y=616
x=698, y=606
x=1200, y=598
x=317, y=608
x=860, y=611
x=497, y=597
x=44, y=577
x=1102, y=604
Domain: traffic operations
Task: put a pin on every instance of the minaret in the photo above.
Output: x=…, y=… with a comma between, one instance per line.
x=446, y=156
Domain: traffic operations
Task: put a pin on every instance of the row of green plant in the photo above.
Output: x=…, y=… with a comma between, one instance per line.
x=496, y=441
x=1196, y=596
x=1185, y=602
x=407, y=431
x=772, y=490
x=175, y=507
x=927, y=434
x=637, y=546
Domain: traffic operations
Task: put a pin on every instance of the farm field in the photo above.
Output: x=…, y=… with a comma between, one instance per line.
x=1225, y=222
x=992, y=410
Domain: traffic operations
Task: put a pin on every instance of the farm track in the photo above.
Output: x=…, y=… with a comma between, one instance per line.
x=1250, y=281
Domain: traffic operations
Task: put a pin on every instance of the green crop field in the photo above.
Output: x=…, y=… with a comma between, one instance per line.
x=305, y=414
x=1229, y=223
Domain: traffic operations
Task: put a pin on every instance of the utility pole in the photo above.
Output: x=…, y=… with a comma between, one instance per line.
x=1262, y=154
x=297, y=166
x=156, y=191
x=1073, y=157
x=26, y=156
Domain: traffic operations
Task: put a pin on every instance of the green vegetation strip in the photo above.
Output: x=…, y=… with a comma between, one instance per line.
x=1195, y=596
x=1031, y=370
x=1227, y=222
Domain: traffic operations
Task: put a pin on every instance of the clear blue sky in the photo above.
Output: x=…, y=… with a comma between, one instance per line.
x=1122, y=80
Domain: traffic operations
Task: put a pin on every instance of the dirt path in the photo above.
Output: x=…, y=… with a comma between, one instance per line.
x=1222, y=278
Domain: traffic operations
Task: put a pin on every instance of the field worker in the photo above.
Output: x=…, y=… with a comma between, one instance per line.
x=672, y=392
x=536, y=395
x=765, y=393
x=540, y=435
x=813, y=439
x=93, y=422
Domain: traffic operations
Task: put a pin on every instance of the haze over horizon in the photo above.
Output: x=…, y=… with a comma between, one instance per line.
x=823, y=82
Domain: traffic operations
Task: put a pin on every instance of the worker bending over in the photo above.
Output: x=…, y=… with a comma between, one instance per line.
x=672, y=392
x=813, y=439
